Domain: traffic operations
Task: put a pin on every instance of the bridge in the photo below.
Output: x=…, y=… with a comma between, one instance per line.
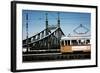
x=47, y=39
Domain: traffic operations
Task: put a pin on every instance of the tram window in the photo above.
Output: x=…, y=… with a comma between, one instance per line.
x=81, y=42
x=65, y=42
x=74, y=42
x=87, y=41
x=68, y=42
x=62, y=43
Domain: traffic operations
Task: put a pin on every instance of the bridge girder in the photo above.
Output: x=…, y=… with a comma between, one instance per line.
x=43, y=41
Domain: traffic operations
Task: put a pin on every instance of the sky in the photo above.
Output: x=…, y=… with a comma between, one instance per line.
x=68, y=21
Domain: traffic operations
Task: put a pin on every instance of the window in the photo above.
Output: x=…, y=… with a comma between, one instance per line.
x=87, y=41
x=66, y=42
x=82, y=42
x=62, y=43
x=74, y=42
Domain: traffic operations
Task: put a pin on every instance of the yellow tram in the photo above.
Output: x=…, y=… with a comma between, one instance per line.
x=75, y=44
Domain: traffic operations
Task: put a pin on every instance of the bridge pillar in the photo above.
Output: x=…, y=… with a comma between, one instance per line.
x=46, y=24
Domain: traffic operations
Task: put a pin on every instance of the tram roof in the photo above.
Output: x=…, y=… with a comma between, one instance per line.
x=75, y=37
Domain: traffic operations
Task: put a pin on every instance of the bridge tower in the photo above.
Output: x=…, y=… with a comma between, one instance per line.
x=58, y=20
x=46, y=23
x=27, y=31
